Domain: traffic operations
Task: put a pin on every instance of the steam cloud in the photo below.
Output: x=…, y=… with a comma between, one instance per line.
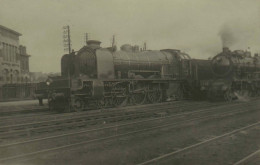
x=227, y=36
x=240, y=35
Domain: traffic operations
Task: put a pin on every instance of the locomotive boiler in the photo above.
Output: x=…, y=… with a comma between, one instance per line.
x=102, y=77
x=95, y=62
x=236, y=73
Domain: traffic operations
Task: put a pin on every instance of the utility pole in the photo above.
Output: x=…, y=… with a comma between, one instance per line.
x=67, y=47
x=66, y=38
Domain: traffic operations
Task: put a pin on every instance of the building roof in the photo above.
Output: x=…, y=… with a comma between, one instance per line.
x=10, y=30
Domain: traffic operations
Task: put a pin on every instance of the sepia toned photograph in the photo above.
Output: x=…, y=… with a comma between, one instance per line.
x=129, y=82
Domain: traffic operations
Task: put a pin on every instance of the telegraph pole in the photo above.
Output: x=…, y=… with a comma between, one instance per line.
x=66, y=38
x=67, y=47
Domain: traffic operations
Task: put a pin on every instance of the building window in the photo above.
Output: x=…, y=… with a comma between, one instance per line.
x=6, y=59
x=1, y=49
x=11, y=78
x=9, y=52
x=12, y=52
x=15, y=54
x=5, y=73
x=13, y=47
x=27, y=63
x=4, y=51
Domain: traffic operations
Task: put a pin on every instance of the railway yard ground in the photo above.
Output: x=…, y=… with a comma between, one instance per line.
x=21, y=107
x=181, y=132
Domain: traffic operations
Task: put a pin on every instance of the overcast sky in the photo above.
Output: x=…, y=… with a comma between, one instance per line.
x=193, y=26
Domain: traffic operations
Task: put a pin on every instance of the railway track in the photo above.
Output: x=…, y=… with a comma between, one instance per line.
x=30, y=129
x=28, y=117
x=157, y=159
x=54, y=116
x=9, y=113
x=248, y=158
x=51, y=144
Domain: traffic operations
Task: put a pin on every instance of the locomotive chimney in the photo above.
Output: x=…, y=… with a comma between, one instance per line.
x=225, y=49
x=93, y=44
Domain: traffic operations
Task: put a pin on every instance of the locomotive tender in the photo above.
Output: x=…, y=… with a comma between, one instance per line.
x=236, y=73
x=96, y=77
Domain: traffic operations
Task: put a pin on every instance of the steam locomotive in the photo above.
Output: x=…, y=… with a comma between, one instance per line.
x=96, y=77
x=236, y=73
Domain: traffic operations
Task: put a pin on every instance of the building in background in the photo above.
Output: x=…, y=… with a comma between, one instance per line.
x=41, y=77
x=24, y=65
x=14, y=60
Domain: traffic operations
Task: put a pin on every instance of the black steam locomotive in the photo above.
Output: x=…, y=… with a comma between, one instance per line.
x=236, y=74
x=96, y=77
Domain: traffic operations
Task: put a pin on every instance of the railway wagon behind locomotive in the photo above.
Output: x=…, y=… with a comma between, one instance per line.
x=236, y=73
x=96, y=77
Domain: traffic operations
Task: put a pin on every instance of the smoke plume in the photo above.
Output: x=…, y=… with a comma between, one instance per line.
x=240, y=34
x=227, y=35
